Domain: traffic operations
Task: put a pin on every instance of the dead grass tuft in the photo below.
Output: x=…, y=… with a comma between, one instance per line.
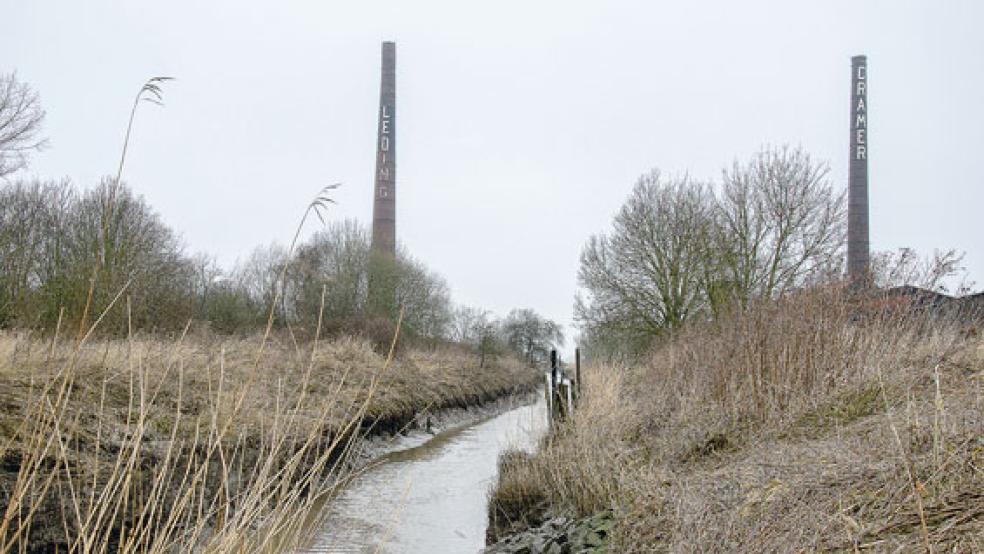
x=791, y=427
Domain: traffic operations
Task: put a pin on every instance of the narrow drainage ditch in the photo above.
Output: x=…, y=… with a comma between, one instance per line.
x=430, y=498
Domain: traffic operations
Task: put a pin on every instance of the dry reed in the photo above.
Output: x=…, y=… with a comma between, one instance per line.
x=203, y=444
x=794, y=426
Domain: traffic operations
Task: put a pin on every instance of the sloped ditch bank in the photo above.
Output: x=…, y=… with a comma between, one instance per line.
x=522, y=521
x=411, y=430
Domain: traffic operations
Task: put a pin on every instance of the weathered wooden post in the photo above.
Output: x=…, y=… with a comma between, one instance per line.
x=554, y=386
x=561, y=392
x=577, y=369
x=548, y=391
x=561, y=395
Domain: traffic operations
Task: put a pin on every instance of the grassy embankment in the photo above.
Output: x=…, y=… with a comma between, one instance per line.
x=149, y=445
x=796, y=426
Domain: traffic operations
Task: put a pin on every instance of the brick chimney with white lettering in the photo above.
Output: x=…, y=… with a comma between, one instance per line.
x=384, y=203
x=858, y=255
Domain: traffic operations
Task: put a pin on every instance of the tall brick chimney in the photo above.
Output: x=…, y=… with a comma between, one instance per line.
x=384, y=203
x=858, y=256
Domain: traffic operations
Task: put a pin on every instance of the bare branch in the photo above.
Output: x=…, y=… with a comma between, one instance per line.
x=20, y=124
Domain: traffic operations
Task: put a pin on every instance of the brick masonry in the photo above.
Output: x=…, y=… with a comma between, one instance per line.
x=858, y=256
x=384, y=203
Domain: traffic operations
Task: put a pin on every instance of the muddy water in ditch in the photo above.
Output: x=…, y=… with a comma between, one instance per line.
x=429, y=498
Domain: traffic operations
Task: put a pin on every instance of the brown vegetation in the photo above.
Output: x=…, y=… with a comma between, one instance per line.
x=207, y=443
x=793, y=425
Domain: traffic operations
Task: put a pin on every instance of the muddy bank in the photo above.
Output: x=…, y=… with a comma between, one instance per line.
x=372, y=443
x=521, y=519
x=416, y=429
x=133, y=418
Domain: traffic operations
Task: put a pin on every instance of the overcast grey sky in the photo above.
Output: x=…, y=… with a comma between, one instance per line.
x=522, y=126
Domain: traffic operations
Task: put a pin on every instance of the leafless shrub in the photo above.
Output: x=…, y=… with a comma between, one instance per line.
x=531, y=335
x=904, y=267
x=645, y=277
x=780, y=224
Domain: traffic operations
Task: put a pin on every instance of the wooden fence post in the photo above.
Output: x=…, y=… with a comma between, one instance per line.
x=577, y=369
x=548, y=391
x=555, y=405
x=562, y=393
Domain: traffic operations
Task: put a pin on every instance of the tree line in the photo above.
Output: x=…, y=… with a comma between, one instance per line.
x=681, y=248
x=52, y=236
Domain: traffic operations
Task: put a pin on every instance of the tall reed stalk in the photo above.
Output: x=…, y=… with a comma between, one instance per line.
x=149, y=92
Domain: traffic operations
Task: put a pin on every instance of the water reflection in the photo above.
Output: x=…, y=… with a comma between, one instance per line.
x=431, y=498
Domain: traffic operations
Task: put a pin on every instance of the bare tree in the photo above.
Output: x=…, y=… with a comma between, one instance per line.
x=424, y=297
x=135, y=246
x=335, y=259
x=485, y=331
x=463, y=321
x=476, y=328
x=49, y=236
x=33, y=229
x=780, y=224
x=340, y=261
x=677, y=250
x=531, y=335
x=20, y=124
x=645, y=276
x=259, y=277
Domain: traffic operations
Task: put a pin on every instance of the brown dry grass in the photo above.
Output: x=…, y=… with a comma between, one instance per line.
x=793, y=427
x=149, y=445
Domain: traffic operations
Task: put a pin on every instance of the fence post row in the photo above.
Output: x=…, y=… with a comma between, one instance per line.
x=562, y=393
